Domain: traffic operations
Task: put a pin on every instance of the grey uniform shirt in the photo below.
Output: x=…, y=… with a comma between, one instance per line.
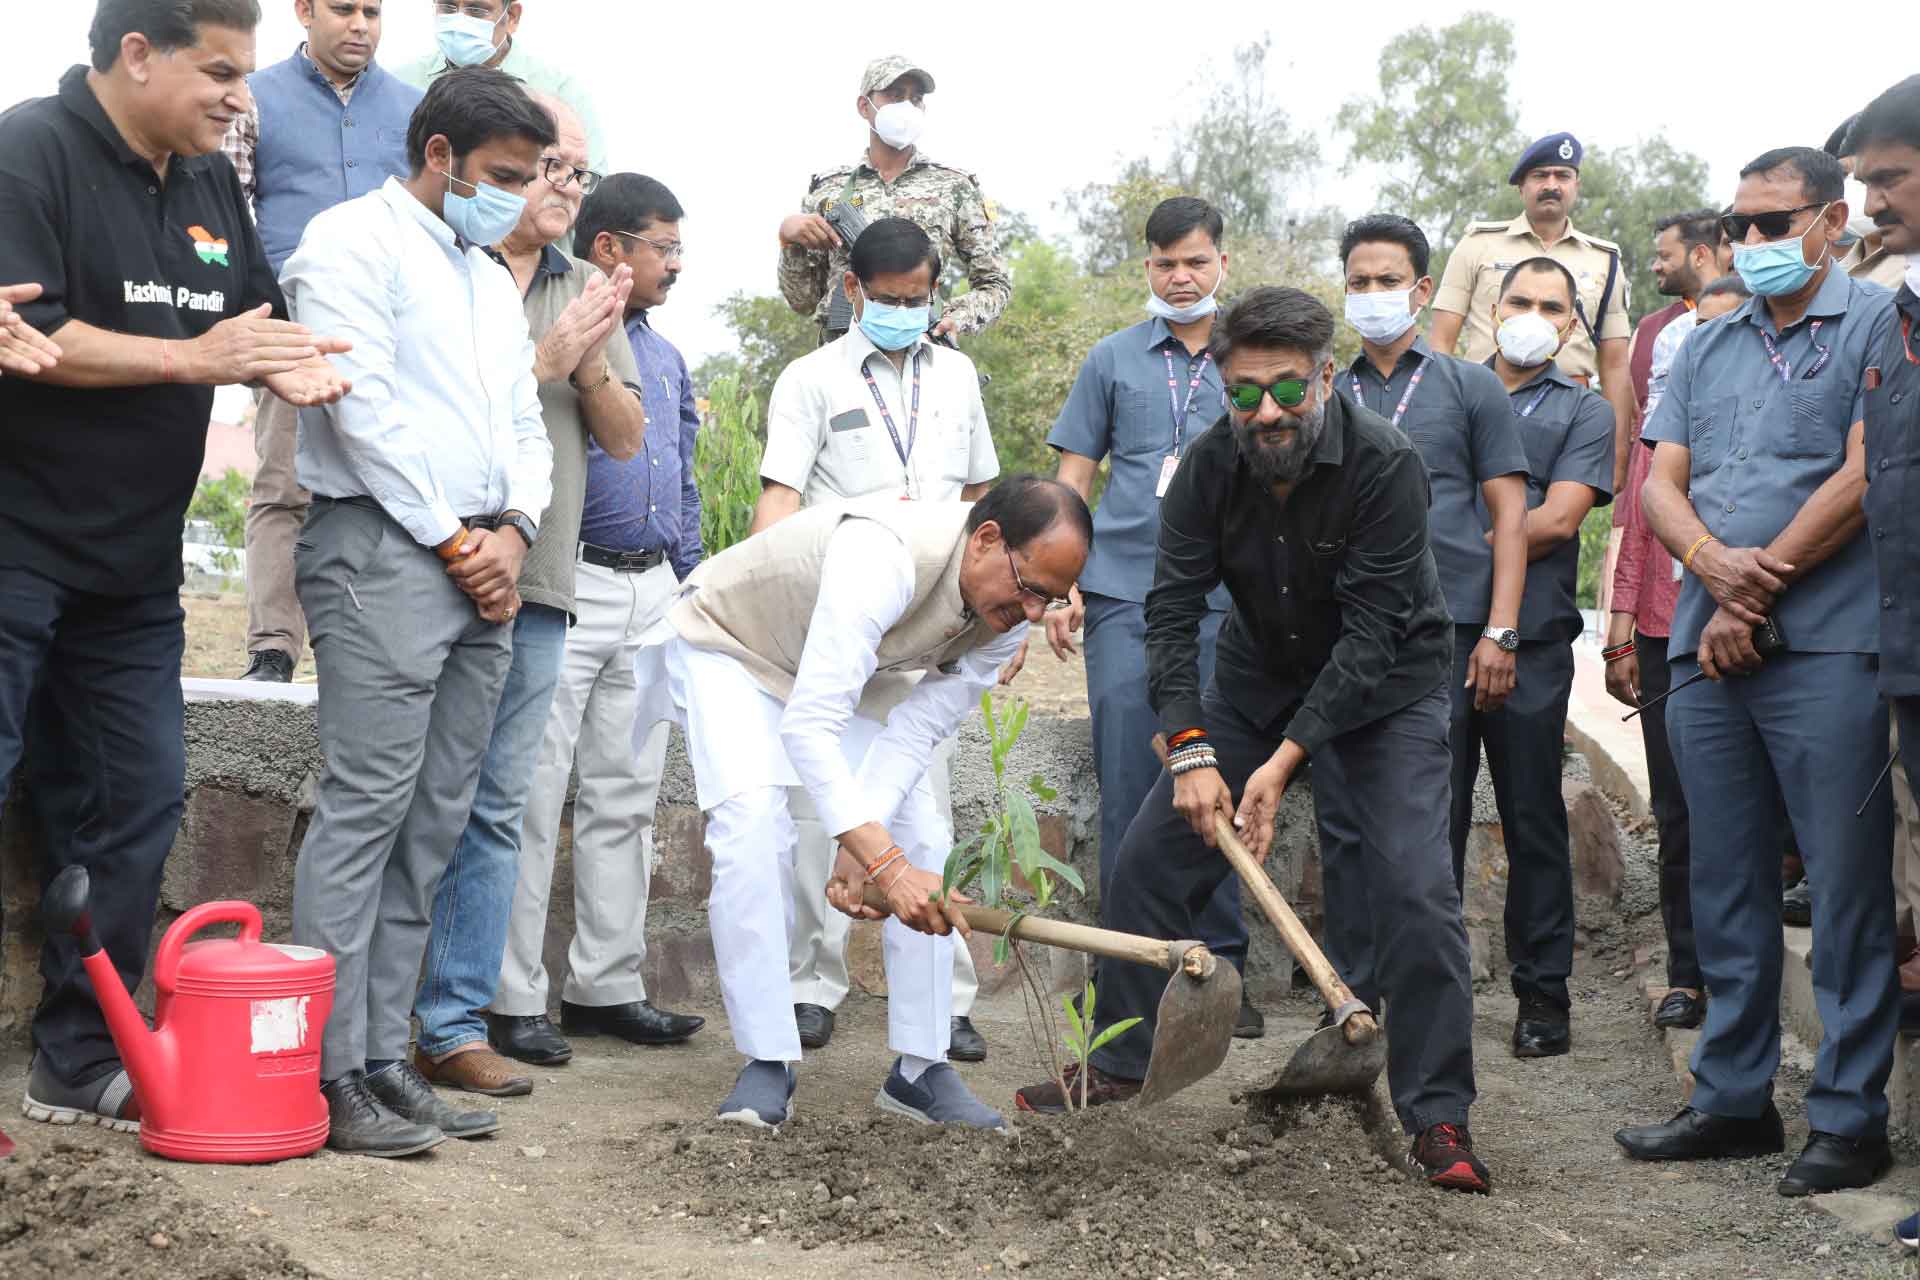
x=1122, y=408
x=546, y=576
x=1765, y=436
x=1459, y=419
x=1567, y=432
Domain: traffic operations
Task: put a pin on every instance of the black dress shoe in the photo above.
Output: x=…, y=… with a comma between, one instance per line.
x=406, y=1093
x=815, y=1023
x=636, y=1022
x=1250, y=1023
x=1833, y=1163
x=269, y=666
x=359, y=1125
x=966, y=1044
x=1680, y=1010
x=528, y=1038
x=1543, y=1029
x=1796, y=903
x=1695, y=1135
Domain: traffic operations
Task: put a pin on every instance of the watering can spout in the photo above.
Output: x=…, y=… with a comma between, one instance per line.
x=66, y=909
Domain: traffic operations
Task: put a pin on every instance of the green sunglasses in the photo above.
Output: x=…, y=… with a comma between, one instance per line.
x=1245, y=396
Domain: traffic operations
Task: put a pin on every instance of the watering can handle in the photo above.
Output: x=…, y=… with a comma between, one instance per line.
x=166, y=962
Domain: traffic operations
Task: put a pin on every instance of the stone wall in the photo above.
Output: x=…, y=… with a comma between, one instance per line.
x=252, y=768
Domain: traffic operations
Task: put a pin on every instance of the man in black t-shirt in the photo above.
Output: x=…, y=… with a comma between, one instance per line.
x=154, y=289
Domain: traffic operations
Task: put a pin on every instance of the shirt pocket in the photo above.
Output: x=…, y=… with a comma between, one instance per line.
x=1137, y=430
x=1709, y=424
x=1812, y=429
x=1440, y=435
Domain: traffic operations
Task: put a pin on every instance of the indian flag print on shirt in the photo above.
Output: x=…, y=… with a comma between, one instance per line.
x=212, y=252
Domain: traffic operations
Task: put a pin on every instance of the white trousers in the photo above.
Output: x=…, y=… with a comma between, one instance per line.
x=817, y=959
x=596, y=706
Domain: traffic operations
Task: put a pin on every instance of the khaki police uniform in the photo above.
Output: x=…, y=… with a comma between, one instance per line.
x=1873, y=262
x=1471, y=286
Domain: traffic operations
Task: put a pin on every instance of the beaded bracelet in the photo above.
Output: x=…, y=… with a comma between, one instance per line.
x=1208, y=761
x=1202, y=752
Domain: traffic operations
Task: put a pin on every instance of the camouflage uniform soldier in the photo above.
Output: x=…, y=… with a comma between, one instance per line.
x=893, y=180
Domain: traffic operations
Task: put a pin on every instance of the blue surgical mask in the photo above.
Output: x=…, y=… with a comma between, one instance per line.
x=464, y=41
x=1776, y=268
x=486, y=216
x=893, y=328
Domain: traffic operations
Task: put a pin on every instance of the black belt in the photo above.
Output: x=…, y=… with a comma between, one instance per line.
x=622, y=561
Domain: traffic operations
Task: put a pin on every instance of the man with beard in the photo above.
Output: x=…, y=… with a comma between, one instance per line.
x=638, y=536
x=1313, y=512
x=589, y=392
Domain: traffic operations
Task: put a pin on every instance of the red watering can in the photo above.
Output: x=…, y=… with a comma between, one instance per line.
x=230, y=1072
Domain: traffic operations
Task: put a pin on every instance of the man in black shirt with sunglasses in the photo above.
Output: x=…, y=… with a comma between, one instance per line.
x=1312, y=510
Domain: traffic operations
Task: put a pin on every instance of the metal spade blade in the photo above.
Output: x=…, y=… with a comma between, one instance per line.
x=1325, y=1064
x=1194, y=1028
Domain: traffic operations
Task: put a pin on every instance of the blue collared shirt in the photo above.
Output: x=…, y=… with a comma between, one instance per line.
x=1762, y=444
x=1121, y=409
x=1893, y=497
x=650, y=503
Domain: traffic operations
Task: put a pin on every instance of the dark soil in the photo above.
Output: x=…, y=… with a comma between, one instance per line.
x=74, y=1210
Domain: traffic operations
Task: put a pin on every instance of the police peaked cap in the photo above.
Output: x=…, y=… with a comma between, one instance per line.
x=1554, y=149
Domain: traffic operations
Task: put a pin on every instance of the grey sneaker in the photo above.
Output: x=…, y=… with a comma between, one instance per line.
x=938, y=1097
x=762, y=1096
x=107, y=1101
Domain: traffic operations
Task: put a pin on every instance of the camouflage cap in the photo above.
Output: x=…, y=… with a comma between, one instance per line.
x=882, y=72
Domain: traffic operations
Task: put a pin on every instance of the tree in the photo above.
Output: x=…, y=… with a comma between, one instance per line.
x=770, y=336
x=1442, y=126
x=1624, y=191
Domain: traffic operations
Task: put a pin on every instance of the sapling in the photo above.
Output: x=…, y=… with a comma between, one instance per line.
x=1082, y=1040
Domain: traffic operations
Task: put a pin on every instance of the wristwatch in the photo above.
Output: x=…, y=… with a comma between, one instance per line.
x=1506, y=637
x=521, y=525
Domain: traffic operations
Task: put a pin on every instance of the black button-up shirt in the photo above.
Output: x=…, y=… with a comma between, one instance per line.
x=1893, y=495
x=94, y=484
x=1337, y=618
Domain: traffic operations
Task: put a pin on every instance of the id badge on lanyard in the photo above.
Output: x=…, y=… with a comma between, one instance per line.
x=1171, y=462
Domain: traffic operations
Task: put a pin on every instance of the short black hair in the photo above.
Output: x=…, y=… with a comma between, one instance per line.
x=167, y=24
x=1894, y=116
x=1836, y=144
x=1541, y=265
x=1025, y=506
x=472, y=106
x=1388, y=228
x=1698, y=228
x=893, y=246
x=1728, y=283
x=623, y=202
x=1174, y=219
x=1275, y=317
x=1820, y=174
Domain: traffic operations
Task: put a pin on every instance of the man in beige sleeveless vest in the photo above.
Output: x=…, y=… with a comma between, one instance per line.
x=788, y=662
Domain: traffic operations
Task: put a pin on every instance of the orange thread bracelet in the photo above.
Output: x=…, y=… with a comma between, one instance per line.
x=1686, y=561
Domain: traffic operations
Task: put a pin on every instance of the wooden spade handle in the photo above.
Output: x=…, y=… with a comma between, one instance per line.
x=1073, y=937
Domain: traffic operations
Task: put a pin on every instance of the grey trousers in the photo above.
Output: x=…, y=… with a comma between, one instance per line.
x=274, y=517
x=1389, y=781
x=1806, y=732
x=409, y=681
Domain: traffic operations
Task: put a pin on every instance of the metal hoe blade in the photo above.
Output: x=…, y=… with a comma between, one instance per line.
x=1194, y=1027
x=1325, y=1064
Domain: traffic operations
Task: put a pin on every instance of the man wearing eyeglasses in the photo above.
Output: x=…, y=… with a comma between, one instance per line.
x=589, y=392
x=326, y=125
x=894, y=180
x=1312, y=510
x=475, y=33
x=638, y=535
x=881, y=411
x=1758, y=471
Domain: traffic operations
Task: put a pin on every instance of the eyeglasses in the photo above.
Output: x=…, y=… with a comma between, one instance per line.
x=559, y=173
x=1245, y=396
x=671, y=251
x=1047, y=602
x=1774, y=224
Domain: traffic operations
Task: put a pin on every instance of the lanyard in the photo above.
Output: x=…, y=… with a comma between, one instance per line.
x=1784, y=366
x=1906, y=338
x=913, y=418
x=1535, y=402
x=1182, y=412
x=1406, y=397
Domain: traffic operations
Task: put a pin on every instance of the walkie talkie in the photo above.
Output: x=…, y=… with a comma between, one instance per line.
x=1769, y=641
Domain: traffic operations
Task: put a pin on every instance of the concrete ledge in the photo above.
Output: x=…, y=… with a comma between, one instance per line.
x=1800, y=1016
x=1616, y=752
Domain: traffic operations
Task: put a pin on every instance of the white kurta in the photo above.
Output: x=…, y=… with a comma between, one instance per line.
x=747, y=746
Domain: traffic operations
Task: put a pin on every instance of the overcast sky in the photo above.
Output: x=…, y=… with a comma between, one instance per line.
x=735, y=105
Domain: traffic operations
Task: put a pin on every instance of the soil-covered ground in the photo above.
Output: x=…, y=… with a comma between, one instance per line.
x=613, y=1168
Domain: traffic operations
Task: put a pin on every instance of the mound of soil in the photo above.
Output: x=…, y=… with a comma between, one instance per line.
x=1111, y=1192
x=73, y=1211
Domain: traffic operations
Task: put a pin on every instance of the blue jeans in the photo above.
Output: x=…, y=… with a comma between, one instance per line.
x=1123, y=727
x=475, y=898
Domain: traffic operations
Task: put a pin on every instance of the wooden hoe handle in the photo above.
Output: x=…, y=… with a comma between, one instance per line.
x=1198, y=961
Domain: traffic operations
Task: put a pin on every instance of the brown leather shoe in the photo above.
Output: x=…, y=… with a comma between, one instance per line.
x=478, y=1070
x=1047, y=1099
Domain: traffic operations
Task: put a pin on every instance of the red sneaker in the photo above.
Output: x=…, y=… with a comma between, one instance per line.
x=1445, y=1154
x=6, y=1145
